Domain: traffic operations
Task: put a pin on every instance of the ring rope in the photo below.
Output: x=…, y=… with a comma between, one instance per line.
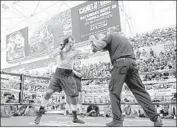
x=124, y=103
x=13, y=74
x=38, y=77
x=7, y=79
x=15, y=90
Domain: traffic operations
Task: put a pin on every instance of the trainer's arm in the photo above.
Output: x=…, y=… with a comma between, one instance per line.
x=99, y=45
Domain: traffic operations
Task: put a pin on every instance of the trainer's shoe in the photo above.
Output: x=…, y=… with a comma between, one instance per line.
x=158, y=122
x=115, y=124
x=78, y=121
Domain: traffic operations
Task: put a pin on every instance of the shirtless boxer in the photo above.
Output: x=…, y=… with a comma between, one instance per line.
x=63, y=78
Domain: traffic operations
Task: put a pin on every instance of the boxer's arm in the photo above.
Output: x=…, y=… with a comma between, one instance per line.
x=55, y=52
x=82, y=53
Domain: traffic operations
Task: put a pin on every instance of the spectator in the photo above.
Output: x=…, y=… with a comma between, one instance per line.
x=93, y=110
x=31, y=110
x=138, y=54
x=5, y=109
x=164, y=111
x=151, y=52
x=141, y=112
x=107, y=111
x=13, y=108
x=21, y=110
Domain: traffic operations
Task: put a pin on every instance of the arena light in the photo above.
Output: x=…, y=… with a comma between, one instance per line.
x=3, y=6
x=15, y=2
x=7, y=5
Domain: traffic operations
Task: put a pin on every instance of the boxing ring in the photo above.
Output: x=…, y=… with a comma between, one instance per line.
x=23, y=86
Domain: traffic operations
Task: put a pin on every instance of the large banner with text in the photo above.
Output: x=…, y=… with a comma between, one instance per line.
x=94, y=17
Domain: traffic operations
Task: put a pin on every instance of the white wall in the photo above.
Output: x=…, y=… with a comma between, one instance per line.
x=148, y=15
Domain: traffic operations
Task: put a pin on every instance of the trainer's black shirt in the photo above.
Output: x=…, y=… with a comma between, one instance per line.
x=118, y=47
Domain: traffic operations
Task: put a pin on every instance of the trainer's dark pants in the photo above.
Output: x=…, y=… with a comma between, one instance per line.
x=125, y=70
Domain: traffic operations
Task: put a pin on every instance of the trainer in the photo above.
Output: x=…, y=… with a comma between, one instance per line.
x=124, y=70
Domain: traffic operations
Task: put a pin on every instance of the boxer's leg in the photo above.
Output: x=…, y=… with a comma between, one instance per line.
x=53, y=87
x=70, y=89
x=68, y=101
x=43, y=105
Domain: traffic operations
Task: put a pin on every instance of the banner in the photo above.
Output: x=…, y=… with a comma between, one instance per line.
x=94, y=17
x=17, y=45
x=89, y=18
x=49, y=34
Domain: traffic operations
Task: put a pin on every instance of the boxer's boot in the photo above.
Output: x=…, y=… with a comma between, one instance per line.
x=39, y=115
x=76, y=120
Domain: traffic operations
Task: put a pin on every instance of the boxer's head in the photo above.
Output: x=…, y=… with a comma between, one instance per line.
x=67, y=42
x=112, y=30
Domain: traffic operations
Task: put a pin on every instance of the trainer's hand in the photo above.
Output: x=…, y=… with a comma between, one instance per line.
x=99, y=36
x=92, y=40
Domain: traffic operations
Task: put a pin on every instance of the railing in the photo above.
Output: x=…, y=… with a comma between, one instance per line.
x=22, y=77
x=127, y=103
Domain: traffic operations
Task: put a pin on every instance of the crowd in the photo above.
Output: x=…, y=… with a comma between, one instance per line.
x=96, y=94
x=16, y=110
x=165, y=60
x=35, y=85
x=153, y=62
x=101, y=69
x=155, y=37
